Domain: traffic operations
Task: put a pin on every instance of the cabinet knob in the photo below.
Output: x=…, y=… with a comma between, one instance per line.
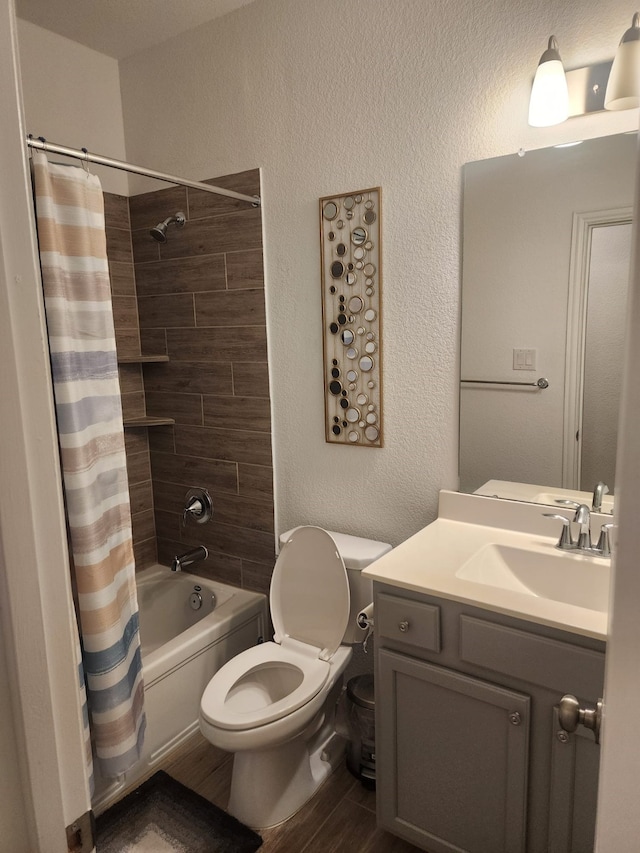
x=515, y=719
x=403, y=626
x=571, y=715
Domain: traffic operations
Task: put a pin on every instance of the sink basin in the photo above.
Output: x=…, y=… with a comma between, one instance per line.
x=570, y=578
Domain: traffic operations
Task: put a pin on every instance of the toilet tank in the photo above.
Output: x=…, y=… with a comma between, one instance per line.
x=357, y=553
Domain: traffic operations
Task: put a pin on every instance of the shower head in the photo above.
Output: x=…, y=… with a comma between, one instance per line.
x=159, y=231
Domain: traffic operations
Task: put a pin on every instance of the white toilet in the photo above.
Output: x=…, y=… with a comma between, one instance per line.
x=274, y=704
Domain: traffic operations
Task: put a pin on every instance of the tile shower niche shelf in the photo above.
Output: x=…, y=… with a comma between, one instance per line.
x=148, y=421
x=143, y=359
x=145, y=420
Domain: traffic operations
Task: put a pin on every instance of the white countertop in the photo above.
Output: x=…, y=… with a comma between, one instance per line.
x=429, y=560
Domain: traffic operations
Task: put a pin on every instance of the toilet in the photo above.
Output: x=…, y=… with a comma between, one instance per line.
x=274, y=705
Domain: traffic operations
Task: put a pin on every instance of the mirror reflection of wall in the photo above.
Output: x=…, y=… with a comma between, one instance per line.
x=518, y=227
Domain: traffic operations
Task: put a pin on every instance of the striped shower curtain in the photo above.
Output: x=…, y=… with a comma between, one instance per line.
x=75, y=275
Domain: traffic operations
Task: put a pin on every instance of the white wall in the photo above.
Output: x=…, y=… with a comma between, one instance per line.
x=72, y=97
x=335, y=95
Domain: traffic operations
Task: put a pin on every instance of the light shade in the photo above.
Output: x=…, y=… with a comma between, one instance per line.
x=623, y=88
x=549, y=103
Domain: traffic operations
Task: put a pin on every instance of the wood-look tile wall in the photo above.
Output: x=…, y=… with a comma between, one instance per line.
x=201, y=301
x=125, y=315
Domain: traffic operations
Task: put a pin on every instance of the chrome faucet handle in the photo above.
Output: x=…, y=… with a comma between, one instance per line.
x=601, y=489
x=565, y=543
x=604, y=541
x=192, y=507
x=198, y=506
x=566, y=502
x=583, y=518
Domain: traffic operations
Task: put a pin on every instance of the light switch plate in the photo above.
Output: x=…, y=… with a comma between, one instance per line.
x=525, y=359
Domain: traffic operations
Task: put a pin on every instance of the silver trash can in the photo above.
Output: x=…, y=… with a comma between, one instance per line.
x=361, y=750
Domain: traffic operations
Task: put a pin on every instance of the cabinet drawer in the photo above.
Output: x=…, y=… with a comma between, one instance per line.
x=410, y=622
x=538, y=660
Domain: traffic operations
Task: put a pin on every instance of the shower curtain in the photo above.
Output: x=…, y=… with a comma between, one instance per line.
x=75, y=275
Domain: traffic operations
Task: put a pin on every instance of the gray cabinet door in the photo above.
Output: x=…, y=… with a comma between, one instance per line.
x=452, y=758
x=573, y=792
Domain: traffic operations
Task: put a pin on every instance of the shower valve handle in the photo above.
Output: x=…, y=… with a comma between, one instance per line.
x=194, y=507
x=197, y=505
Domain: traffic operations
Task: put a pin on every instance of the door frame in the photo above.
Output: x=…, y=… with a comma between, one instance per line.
x=38, y=619
x=618, y=816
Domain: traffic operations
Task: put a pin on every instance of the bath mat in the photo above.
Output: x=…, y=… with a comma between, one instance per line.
x=162, y=816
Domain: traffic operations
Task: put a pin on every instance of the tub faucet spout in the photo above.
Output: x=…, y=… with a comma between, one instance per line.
x=181, y=561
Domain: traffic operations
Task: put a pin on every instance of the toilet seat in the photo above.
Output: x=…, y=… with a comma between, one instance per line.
x=250, y=706
x=310, y=601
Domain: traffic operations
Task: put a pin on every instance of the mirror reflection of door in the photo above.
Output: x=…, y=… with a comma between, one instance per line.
x=605, y=326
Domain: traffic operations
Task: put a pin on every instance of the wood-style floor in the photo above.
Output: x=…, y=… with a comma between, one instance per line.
x=340, y=817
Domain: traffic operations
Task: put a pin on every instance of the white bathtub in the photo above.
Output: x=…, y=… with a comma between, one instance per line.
x=182, y=648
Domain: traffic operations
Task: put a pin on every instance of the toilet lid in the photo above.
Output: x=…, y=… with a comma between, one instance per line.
x=310, y=592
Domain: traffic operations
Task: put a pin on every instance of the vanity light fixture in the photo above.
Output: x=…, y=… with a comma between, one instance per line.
x=557, y=95
x=549, y=102
x=623, y=88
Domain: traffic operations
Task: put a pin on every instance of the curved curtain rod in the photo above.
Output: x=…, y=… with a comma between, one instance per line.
x=83, y=154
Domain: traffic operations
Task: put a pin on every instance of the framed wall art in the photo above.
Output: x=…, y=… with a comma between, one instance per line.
x=350, y=237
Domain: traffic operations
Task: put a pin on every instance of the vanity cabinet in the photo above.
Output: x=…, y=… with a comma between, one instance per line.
x=470, y=756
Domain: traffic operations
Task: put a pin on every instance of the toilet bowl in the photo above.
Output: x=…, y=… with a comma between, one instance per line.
x=274, y=705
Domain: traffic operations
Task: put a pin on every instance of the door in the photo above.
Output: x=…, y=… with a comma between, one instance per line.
x=452, y=753
x=598, y=277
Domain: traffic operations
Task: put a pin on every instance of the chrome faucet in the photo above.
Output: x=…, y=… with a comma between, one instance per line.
x=196, y=555
x=599, y=492
x=583, y=518
x=583, y=544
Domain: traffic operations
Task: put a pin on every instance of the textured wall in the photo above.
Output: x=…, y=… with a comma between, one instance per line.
x=334, y=95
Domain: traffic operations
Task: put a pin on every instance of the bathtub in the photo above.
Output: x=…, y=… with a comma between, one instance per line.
x=182, y=648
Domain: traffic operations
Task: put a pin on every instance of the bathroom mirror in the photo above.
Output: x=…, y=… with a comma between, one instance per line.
x=546, y=242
